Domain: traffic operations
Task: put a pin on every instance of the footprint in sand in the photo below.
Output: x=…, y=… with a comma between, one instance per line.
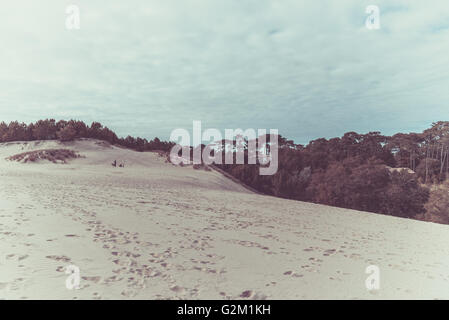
x=93, y=279
x=23, y=257
x=329, y=252
x=246, y=294
x=59, y=258
x=177, y=289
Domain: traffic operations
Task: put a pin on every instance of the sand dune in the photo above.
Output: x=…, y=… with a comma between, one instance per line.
x=155, y=231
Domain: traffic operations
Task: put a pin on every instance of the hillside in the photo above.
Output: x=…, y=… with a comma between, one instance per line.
x=152, y=230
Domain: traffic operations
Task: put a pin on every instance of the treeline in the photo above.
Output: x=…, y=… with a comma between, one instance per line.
x=354, y=171
x=63, y=130
x=427, y=153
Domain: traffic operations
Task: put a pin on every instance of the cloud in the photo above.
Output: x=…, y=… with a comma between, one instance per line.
x=309, y=69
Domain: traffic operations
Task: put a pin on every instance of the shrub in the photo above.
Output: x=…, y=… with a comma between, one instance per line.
x=405, y=197
x=369, y=187
x=52, y=155
x=437, y=208
x=345, y=184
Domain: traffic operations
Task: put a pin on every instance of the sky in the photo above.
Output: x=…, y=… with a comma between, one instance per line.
x=310, y=69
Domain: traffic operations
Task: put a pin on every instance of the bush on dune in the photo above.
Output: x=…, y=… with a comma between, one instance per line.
x=52, y=155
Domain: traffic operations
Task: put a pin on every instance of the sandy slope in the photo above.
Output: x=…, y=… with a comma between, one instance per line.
x=152, y=230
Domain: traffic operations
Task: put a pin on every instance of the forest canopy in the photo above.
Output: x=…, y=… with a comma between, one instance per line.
x=356, y=171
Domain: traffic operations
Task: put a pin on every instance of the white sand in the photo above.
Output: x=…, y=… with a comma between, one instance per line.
x=155, y=231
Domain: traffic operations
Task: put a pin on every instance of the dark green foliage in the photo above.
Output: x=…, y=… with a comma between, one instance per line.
x=437, y=208
x=63, y=130
x=352, y=171
x=432, y=166
x=405, y=196
x=352, y=185
x=67, y=133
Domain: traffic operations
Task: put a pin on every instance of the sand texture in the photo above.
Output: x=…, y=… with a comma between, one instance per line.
x=152, y=230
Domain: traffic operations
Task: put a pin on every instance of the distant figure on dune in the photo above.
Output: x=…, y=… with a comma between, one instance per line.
x=121, y=164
